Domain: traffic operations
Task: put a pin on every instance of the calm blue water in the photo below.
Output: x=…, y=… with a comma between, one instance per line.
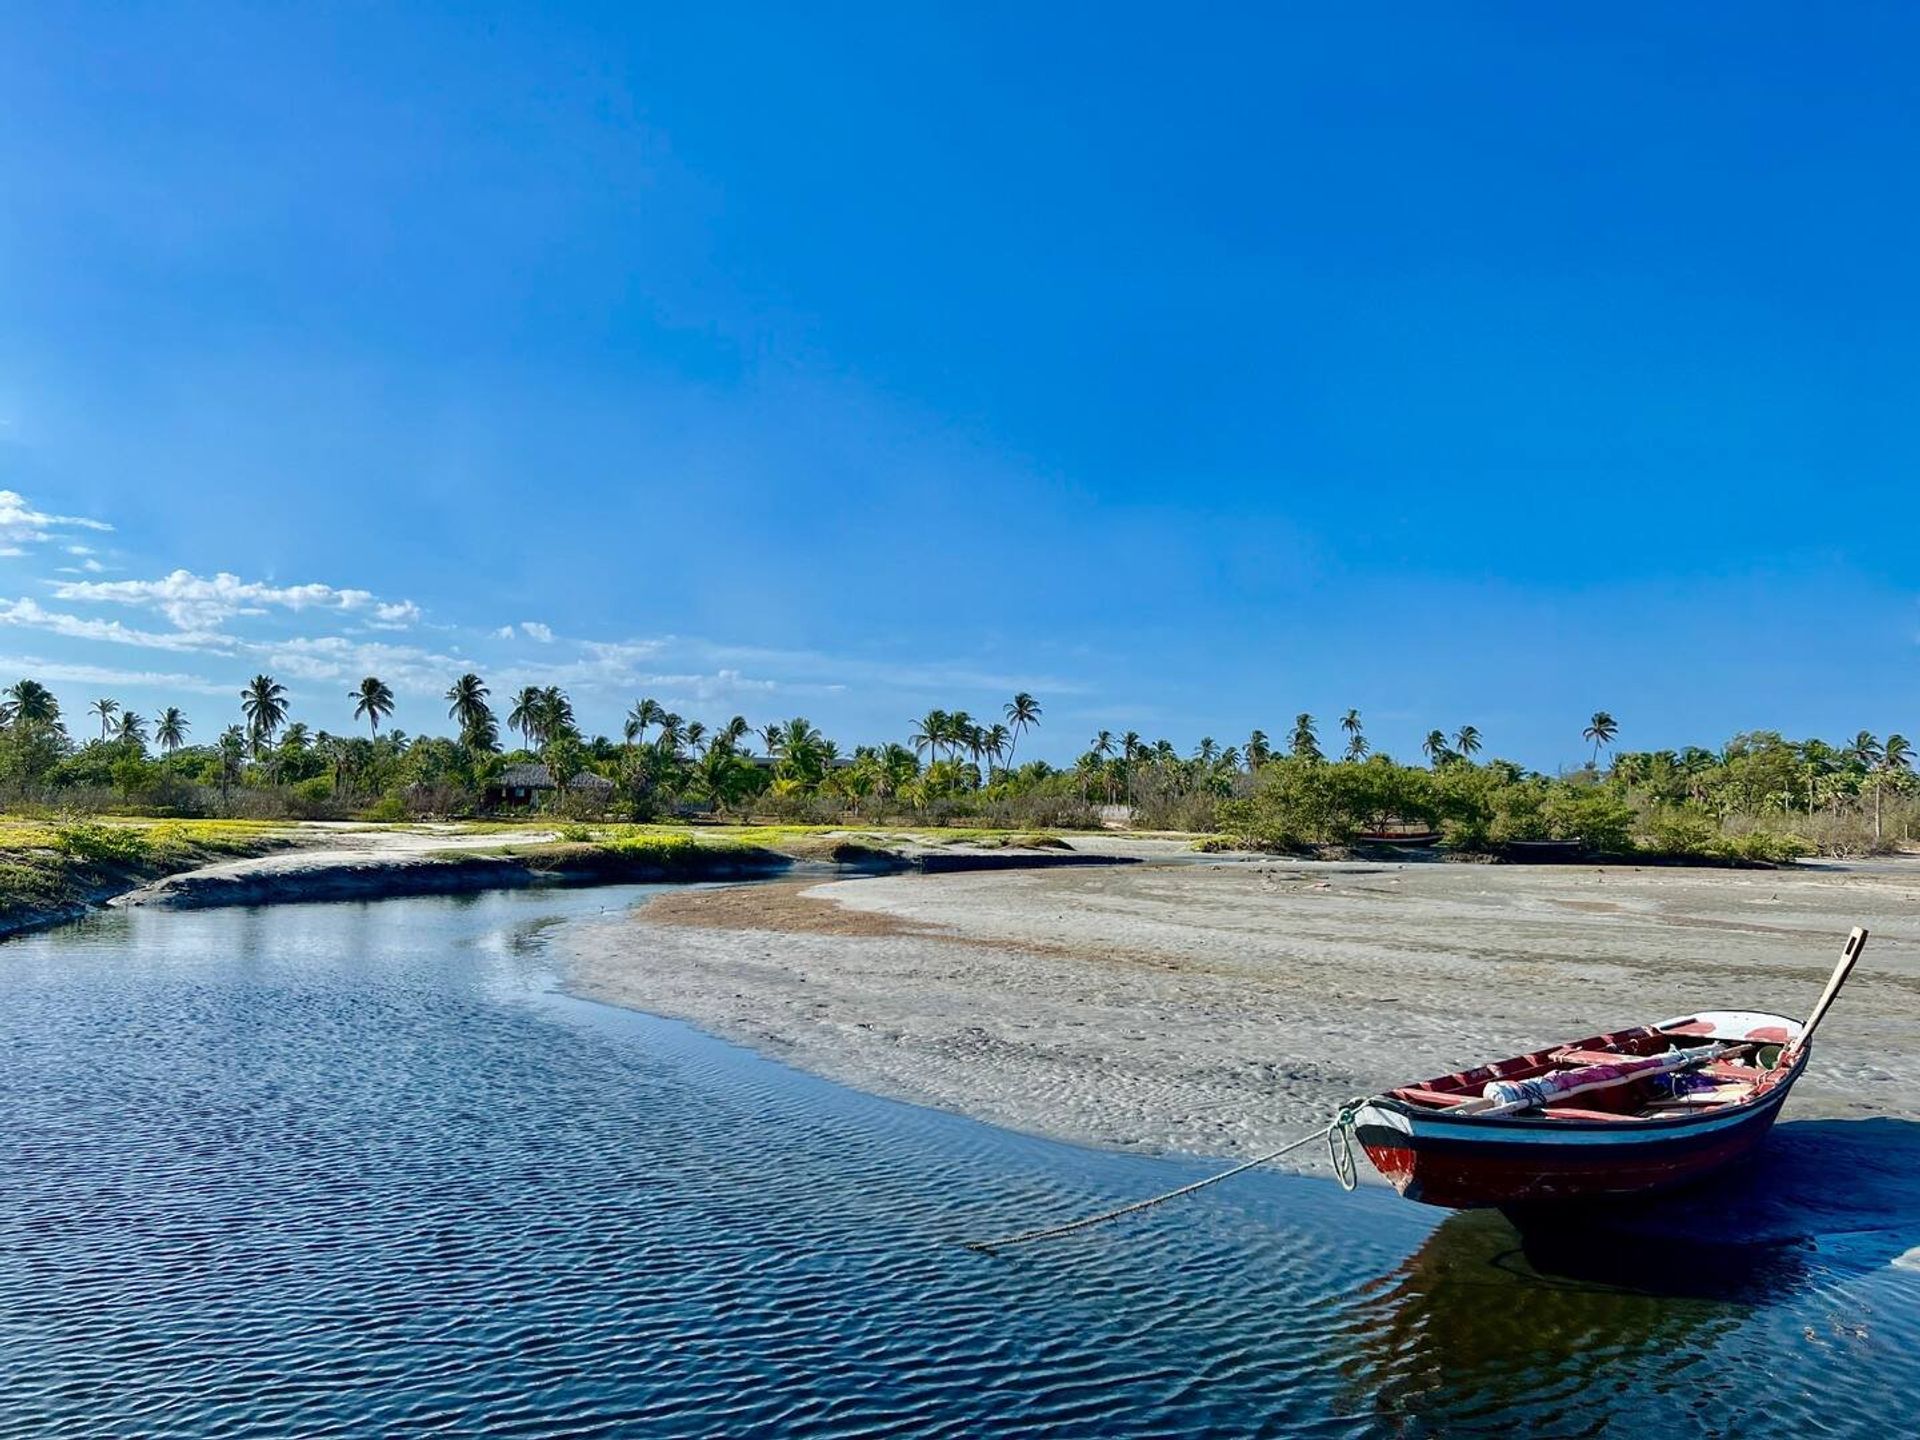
x=358, y=1170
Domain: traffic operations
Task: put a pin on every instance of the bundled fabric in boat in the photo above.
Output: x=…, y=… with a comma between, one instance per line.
x=1544, y=1089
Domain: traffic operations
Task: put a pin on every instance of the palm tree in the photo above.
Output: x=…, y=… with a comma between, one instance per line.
x=1896, y=755
x=1350, y=722
x=1305, y=743
x=1207, y=752
x=1600, y=730
x=467, y=704
x=170, y=730
x=556, y=715
x=1467, y=741
x=1023, y=713
x=643, y=714
x=131, y=731
x=1258, y=750
x=773, y=737
x=106, y=710
x=930, y=733
x=232, y=753
x=264, y=703
x=29, y=705
x=1897, y=759
x=959, y=727
x=1436, y=747
x=525, y=715
x=1357, y=748
x=996, y=743
x=372, y=701
x=1102, y=744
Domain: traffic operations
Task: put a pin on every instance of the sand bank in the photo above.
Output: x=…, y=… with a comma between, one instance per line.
x=1222, y=1009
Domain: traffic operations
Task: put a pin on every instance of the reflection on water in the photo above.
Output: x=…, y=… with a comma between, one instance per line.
x=355, y=1170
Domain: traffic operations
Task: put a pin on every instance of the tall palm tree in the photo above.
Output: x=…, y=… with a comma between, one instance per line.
x=930, y=733
x=1600, y=730
x=1350, y=722
x=1207, y=752
x=1258, y=750
x=1436, y=747
x=525, y=715
x=1357, y=748
x=1132, y=747
x=1897, y=757
x=959, y=728
x=773, y=737
x=106, y=710
x=1023, y=713
x=170, y=731
x=997, y=745
x=644, y=713
x=556, y=715
x=1305, y=744
x=467, y=705
x=372, y=701
x=1467, y=741
x=232, y=753
x=264, y=703
x=131, y=731
x=1102, y=744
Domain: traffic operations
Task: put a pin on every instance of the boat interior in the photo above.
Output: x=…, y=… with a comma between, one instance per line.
x=1751, y=1047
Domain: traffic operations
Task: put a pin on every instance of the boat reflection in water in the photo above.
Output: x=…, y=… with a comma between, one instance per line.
x=1565, y=1324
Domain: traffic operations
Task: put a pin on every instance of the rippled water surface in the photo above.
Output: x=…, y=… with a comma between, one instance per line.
x=358, y=1170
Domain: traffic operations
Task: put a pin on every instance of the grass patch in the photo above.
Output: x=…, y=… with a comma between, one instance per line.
x=50, y=865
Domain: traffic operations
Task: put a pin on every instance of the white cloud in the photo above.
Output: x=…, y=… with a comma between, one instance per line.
x=62, y=672
x=196, y=601
x=31, y=615
x=81, y=550
x=505, y=632
x=21, y=524
x=534, y=630
x=343, y=658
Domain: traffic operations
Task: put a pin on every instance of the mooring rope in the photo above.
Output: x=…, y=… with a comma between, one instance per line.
x=1339, y=1138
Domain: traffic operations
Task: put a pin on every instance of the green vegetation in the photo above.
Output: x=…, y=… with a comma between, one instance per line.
x=52, y=866
x=1758, y=796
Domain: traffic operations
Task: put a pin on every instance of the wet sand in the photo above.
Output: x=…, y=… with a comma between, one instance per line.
x=1222, y=1009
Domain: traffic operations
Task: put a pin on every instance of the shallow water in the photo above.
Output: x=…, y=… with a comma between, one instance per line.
x=358, y=1170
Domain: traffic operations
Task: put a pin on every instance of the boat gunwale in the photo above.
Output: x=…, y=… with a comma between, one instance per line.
x=1771, y=1088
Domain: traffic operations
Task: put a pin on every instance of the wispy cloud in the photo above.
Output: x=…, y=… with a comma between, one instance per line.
x=64, y=672
x=31, y=615
x=22, y=525
x=193, y=601
x=534, y=630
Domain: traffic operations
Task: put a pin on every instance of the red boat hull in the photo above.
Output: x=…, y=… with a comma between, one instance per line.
x=1462, y=1162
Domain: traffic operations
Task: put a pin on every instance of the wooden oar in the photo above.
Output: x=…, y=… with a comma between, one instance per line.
x=1856, y=942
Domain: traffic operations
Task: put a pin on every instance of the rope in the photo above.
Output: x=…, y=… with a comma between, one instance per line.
x=1339, y=1138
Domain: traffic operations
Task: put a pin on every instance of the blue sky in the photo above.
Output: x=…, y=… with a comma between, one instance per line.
x=1481, y=363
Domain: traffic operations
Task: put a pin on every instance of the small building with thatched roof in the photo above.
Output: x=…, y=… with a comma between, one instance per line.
x=519, y=785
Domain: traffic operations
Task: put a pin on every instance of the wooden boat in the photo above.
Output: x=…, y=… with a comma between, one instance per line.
x=1626, y=1113
x=1414, y=839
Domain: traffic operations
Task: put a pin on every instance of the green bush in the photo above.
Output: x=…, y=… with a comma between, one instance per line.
x=1594, y=818
x=1675, y=830
x=111, y=844
x=1766, y=847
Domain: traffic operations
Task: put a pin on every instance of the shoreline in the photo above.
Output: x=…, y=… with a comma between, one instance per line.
x=1222, y=1010
x=317, y=863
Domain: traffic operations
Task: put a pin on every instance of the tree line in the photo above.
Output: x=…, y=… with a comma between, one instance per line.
x=950, y=765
